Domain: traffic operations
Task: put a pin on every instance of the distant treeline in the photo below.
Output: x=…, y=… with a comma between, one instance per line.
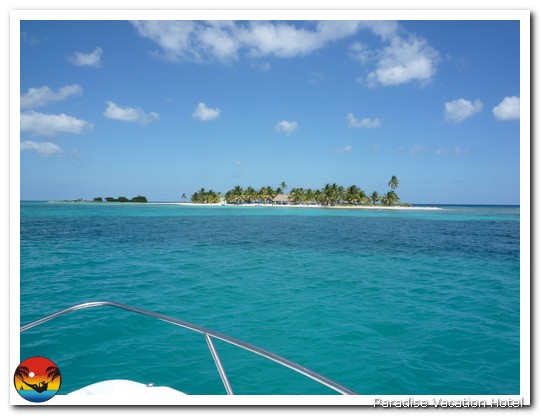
x=329, y=195
x=138, y=198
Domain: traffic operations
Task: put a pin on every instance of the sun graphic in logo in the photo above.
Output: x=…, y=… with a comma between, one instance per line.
x=37, y=379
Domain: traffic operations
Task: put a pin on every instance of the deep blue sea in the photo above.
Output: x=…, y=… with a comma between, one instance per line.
x=385, y=302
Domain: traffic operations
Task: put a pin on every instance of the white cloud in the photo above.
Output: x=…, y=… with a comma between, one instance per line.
x=316, y=78
x=415, y=150
x=48, y=125
x=262, y=66
x=286, y=127
x=459, y=110
x=204, y=113
x=129, y=114
x=39, y=97
x=403, y=61
x=87, y=59
x=404, y=58
x=345, y=149
x=362, y=53
x=237, y=162
x=508, y=109
x=279, y=39
x=43, y=148
x=200, y=41
x=189, y=40
x=30, y=39
x=286, y=40
x=218, y=42
x=457, y=151
x=385, y=29
x=364, y=123
x=332, y=30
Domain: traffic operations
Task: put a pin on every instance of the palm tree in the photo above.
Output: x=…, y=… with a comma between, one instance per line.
x=318, y=196
x=200, y=196
x=283, y=186
x=393, y=183
x=205, y=197
x=238, y=194
x=362, y=197
x=271, y=192
x=310, y=196
x=390, y=198
x=261, y=195
x=52, y=373
x=338, y=193
x=326, y=195
x=22, y=372
x=212, y=197
x=374, y=197
x=352, y=194
x=235, y=195
x=183, y=197
x=250, y=195
x=331, y=194
x=297, y=195
x=267, y=194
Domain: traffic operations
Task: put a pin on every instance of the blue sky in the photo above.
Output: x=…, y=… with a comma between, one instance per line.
x=111, y=108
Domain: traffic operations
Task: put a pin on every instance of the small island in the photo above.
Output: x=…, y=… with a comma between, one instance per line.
x=137, y=198
x=331, y=195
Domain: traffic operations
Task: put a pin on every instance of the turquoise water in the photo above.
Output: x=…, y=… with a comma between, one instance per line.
x=384, y=302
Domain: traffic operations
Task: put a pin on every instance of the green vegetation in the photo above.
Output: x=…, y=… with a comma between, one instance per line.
x=329, y=195
x=393, y=183
x=374, y=197
x=138, y=198
x=205, y=197
x=281, y=189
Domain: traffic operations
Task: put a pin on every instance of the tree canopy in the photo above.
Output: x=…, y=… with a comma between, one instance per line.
x=330, y=195
x=138, y=198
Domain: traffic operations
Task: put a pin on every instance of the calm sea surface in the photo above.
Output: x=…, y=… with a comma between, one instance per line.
x=384, y=302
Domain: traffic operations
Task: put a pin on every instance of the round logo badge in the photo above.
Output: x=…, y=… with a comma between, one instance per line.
x=37, y=379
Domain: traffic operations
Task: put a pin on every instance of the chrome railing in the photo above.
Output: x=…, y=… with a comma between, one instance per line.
x=209, y=334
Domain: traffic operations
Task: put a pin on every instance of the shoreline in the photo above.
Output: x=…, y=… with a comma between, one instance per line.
x=355, y=207
x=192, y=204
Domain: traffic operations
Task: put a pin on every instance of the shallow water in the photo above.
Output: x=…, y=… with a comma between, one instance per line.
x=384, y=302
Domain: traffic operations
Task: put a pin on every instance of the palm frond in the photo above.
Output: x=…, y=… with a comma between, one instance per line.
x=22, y=372
x=52, y=373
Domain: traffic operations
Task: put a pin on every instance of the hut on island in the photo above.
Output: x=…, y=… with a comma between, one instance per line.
x=281, y=199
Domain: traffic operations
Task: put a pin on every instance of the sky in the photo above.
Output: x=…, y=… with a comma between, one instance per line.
x=164, y=108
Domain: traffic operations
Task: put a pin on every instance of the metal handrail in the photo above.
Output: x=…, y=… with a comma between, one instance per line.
x=209, y=334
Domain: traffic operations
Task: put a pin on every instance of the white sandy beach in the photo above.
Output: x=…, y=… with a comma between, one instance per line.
x=370, y=207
